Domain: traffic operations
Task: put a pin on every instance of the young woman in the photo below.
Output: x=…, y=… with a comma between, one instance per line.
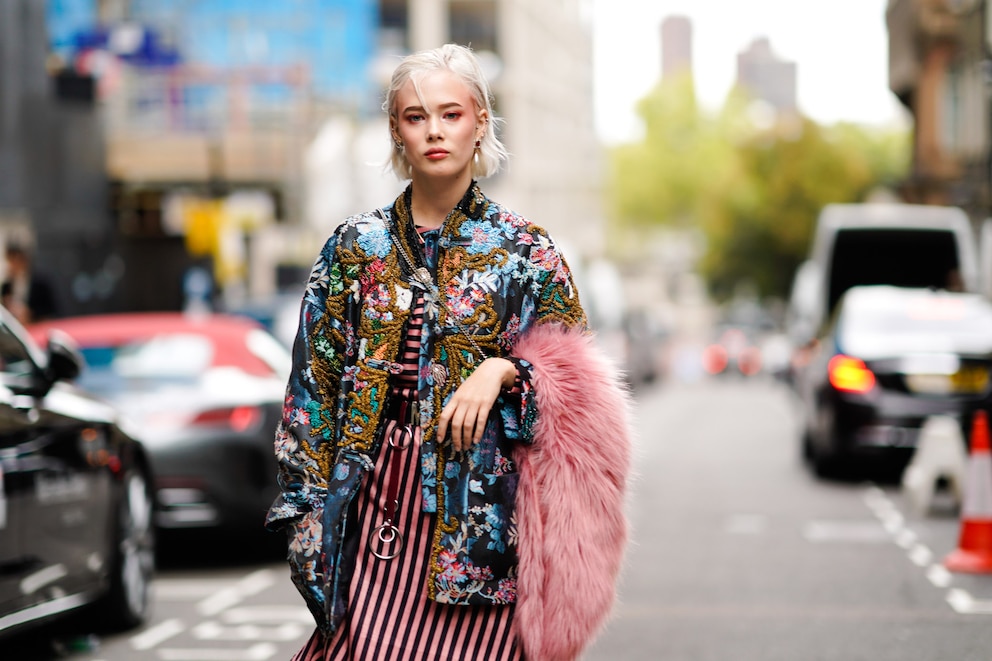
x=451, y=437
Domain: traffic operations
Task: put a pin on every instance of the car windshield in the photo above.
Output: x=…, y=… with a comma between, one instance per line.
x=881, y=326
x=147, y=365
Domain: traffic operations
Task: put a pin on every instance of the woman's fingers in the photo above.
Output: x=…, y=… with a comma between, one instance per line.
x=457, y=422
x=480, y=424
x=463, y=419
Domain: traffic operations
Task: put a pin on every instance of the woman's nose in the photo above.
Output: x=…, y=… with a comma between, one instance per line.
x=433, y=128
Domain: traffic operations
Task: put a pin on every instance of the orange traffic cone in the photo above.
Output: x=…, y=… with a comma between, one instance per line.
x=974, y=552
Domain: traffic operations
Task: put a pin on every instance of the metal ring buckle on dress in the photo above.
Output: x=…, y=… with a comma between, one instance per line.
x=386, y=533
x=406, y=435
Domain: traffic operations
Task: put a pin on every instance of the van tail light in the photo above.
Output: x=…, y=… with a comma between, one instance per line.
x=849, y=374
x=238, y=418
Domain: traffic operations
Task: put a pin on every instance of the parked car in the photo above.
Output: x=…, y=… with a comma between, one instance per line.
x=76, y=532
x=207, y=392
x=278, y=313
x=905, y=245
x=890, y=358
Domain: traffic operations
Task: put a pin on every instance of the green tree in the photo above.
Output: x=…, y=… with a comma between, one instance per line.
x=751, y=182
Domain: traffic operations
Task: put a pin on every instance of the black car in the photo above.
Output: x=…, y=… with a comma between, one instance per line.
x=207, y=391
x=889, y=358
x=76, y=534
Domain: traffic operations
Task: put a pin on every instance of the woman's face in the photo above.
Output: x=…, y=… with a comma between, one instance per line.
x=439, y=128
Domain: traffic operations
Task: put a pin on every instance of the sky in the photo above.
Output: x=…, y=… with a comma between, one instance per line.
x=840, y=48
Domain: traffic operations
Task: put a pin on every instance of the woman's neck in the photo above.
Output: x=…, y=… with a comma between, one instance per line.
x=433, y=200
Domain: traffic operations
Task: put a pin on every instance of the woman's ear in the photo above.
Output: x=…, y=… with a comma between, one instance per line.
x=482, y=121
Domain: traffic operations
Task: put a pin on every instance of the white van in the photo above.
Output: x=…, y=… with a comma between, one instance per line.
x=905, y=245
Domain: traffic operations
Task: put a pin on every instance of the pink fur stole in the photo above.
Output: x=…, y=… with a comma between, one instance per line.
x=571, y=521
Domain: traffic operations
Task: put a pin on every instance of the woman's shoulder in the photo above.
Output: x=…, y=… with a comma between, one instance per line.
x=364, y=222
x=511, y=221
x=353, y=227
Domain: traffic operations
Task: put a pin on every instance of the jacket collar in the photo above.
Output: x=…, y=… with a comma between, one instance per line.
x=472, y=206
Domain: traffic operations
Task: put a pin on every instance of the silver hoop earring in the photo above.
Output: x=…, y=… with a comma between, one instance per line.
x=399, y=145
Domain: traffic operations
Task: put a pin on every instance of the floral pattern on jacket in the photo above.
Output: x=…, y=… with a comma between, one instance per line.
x=497, y=275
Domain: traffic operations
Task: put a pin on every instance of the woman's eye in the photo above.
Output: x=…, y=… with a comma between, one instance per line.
x=452, y=115
x=414, y=118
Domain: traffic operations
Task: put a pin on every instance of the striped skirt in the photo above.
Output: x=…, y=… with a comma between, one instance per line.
x=389, y=615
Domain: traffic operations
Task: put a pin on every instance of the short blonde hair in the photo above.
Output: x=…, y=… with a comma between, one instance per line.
x=462, y=62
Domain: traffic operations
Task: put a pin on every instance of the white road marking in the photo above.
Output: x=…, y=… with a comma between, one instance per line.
x=939, y=576
x=257, y=652
x=920, y=555
x=250, y=585
x=962, y=602
x=267, y=614
x=845, y=531
x=893, y=522
x=151, y=637
x=187, y=589
x=906, y=538
x=213, y=630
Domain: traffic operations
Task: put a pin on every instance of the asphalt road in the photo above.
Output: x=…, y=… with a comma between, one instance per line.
x=738, y=554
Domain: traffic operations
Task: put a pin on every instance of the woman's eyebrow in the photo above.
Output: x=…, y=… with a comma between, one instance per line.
x=442, y=106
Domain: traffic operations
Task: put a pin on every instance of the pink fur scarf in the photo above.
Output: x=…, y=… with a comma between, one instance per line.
x=570, y=501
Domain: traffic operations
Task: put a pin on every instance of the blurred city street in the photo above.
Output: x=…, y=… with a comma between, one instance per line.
x=738, y=553
x=783, y=241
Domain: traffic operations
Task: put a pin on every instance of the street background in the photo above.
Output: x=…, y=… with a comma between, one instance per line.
x=737, y=553
x=193, y=156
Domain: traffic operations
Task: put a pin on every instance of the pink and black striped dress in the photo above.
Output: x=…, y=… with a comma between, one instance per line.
x=389, y=615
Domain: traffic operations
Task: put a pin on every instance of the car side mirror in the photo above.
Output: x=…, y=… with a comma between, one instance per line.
x=65, y=361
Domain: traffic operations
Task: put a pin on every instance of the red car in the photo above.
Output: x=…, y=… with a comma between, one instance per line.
x=205, y=394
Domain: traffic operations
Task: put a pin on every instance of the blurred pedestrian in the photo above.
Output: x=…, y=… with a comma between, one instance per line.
x=28, y=294
x=454, y=449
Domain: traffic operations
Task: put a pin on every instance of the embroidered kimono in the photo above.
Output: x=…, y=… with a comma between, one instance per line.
x=497, y=276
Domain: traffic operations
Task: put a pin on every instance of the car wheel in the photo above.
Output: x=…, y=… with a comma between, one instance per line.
x=126, y=604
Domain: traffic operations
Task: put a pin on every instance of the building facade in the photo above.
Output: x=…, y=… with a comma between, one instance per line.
x=938, y=67
x=53, y=186
x=676, y=46
x=240, y=132
x=767, y=77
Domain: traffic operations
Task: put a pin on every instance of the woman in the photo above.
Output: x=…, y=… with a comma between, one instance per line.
x=450, y=437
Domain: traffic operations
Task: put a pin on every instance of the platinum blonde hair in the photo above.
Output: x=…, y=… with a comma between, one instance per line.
x=462, y=62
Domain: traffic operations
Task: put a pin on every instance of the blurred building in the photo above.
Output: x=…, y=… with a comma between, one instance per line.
x=539, y=56
x=53, y=185
x=938, y=67
x=767, y=77
x=210, y=107
x=238, y=133
x=676, y=46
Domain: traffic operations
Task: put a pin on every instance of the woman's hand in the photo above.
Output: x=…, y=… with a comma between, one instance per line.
x=468, y=409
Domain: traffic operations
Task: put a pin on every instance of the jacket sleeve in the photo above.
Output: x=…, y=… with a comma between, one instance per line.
x=305, y=437
x=553, y=298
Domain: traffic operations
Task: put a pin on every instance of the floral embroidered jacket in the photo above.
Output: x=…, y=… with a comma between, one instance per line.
x=498, y=275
